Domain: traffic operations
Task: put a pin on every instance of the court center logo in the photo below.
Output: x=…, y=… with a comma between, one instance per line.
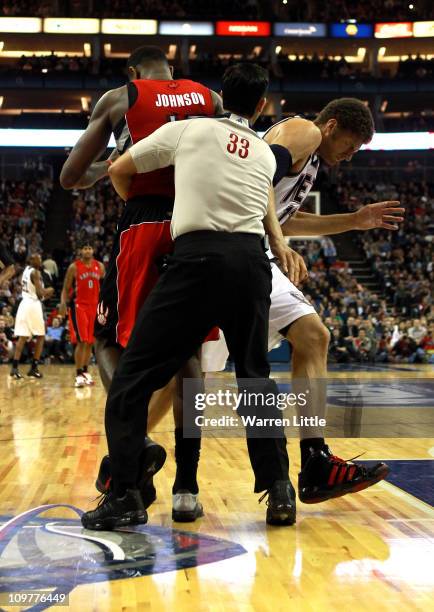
x=39, y=552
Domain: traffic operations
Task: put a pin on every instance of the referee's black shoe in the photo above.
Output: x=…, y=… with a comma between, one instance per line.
x=34, y=372
x=113, y=512
x=281, y=503
x=154, y=456
x=15, y=374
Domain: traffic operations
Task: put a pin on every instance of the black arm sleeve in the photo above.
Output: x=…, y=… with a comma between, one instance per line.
x=283, y=161
x=6, y=258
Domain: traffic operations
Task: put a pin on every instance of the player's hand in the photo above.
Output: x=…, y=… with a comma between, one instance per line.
x=386, y=215
x=292, y=264
x=62, y=310
x=49, y=291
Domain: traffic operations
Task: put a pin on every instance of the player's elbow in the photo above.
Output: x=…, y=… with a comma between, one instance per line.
x=67, y=180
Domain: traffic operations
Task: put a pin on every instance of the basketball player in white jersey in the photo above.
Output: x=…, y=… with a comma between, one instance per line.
x=30, y=319
x=299, y=145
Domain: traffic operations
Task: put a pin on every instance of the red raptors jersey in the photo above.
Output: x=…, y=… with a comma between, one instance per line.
x=87, y=282
x=160, y=101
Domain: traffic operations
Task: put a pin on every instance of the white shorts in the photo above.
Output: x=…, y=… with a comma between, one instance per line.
x=30, y=319
x=287, y=305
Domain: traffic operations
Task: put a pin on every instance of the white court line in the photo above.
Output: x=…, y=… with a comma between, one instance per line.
x=408, y=497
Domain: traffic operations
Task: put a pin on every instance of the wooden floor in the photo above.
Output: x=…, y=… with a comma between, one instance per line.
x=371, y=550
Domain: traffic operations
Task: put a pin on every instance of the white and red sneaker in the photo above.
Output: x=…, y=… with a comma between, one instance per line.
x=89, y=379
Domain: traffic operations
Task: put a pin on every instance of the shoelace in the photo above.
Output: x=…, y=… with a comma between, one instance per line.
x=264, y=495
x=360, y=469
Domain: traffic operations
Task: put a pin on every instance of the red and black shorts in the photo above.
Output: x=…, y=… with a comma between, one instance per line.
x=142, y=241
x=82, y=322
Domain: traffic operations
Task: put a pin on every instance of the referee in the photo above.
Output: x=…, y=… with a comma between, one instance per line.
x=218, y=275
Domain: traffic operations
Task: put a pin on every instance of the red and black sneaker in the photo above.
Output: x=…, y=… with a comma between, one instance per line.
x=154, y=456
x=325, y=476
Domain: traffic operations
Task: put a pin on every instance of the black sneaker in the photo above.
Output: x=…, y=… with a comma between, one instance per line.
x=154, y=456
x=15, y=374
x=326, y=476
x=281, y=503
x=113, y=512
x=34, y=373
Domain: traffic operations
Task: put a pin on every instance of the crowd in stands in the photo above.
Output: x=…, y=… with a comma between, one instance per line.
x=363, y=10
x=211, y=65
x=394, y=323
x=292, y=10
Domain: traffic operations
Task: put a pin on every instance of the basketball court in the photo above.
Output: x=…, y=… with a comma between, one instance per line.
x=370, y=549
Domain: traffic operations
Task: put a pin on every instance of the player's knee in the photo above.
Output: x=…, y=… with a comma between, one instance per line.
x=314, y=339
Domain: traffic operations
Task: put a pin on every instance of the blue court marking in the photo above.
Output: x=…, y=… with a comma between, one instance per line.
x=49, y=553
x=283, y=366
x=415, y=477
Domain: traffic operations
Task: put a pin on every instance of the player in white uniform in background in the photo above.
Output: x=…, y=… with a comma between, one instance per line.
x=29, y=320
x=299, y=145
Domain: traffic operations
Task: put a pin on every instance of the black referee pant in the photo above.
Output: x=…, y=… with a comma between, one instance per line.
x=213, y=279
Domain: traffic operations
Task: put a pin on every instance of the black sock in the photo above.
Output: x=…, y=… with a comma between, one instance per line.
x=84, y=369
x=15, y=363
x=187, y=452
x=306, y=445
x=79, y=371
x=34, y=363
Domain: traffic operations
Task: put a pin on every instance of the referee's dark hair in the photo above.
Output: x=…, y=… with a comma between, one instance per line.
x=243, y=86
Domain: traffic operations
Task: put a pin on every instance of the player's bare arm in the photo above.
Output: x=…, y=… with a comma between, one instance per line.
x=102, y=269
x=66, y=289
x=384, y=215
x=81, y=169
x=299, y=136
x=41, y=292
x=291, y=262
x=7, y=273
x=218, y=103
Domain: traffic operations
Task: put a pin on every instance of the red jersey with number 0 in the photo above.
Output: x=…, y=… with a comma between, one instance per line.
x=160, y=101
x=87, y=280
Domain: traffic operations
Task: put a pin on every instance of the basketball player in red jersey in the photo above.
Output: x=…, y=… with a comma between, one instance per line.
x=132, y=112
x=84, y=274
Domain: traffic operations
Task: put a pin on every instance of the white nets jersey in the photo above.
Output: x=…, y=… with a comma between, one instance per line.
x=27, y=286
x=291, y=191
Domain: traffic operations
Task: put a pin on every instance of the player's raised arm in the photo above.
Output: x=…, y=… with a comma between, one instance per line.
x=7, y=265
x=79, y=170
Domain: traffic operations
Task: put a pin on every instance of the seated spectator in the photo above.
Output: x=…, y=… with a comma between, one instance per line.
x=55, y=341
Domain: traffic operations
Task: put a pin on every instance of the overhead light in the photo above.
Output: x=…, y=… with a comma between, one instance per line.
x=85, y=104
x=172, y=52
x=38, y=53
x=278, y=49
x=109, y=53
x=87, y=48
x=2, y=44
x=1, y=101
x=383, y=106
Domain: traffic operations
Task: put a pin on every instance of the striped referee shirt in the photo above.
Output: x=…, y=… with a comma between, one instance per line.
x=223, y=173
